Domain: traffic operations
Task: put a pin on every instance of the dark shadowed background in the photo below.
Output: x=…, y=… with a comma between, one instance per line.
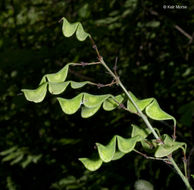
x=155, y=49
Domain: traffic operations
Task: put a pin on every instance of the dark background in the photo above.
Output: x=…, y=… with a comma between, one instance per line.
x=154, y=47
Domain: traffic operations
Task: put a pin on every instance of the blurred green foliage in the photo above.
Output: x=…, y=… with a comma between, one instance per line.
x=154, y=60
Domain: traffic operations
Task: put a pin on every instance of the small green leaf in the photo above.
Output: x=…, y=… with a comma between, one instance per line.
x=17, y=159
x=10, y=184
x=67, y=181
x=11, y=156
x=139, y=131
x=68, y=141
x=36, y=95
x=70, y=106
x=26, y=162
x=91, y=164
x=76, y=85
x=36, y=158
x=118, y=155
x=88, y=112
x=192, y=175
x=155, y=112
x=113, y=102
x=91, y=101
x=127, y=145
x=60, y=76
x=8, y=151
x=168, y=147
x=107, y=152
x=152, y=24
x=57, y=88
x=84, y=11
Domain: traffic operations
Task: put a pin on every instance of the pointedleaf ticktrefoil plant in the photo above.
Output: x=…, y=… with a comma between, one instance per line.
x=89, y=104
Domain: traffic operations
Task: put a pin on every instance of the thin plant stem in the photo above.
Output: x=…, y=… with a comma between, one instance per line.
x=100, y=58
x=130, y=98
x=126, y=92
x=149, y=157
x=185, y=165
x=185, y=168
x=99, y=85
x=185, y=180
x=121, y=105
x=85, y=64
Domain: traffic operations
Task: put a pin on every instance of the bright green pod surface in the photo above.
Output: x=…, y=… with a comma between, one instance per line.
x=139, y=131
x=91, y=101
x=70, y=106
x=112, y=102
x=60, y=76
x=118, y=155
x=140, y=103
x=69, y=29
x=36, y=95
x=57, y=88
x=155, y=112
x=88, y=112
x=126, y=145
x=168, y=147
x=91, y=164
x=80, y=33
x=107, y=152
x=76, y=85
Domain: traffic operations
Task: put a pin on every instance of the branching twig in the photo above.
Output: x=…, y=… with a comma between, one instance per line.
x=99, y=85
x=170, y=160
x=85, y=64
x=121, y=105
x=95, y=47
x=150, y=157
x=150, y=144
x=185, y=165
x=116, y=78
x=183, y=32
x=190, y=37
x=115, y=66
